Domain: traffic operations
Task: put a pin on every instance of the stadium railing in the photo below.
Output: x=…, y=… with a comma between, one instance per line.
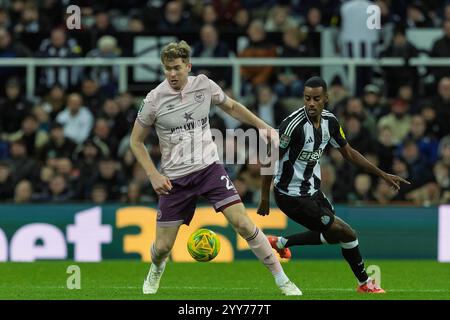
x=235, y=63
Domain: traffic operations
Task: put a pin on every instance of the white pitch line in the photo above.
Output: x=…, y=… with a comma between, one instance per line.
x=241, y=288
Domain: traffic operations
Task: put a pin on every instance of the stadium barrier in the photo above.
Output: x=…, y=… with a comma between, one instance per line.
x=235, y=63
x=83, y=232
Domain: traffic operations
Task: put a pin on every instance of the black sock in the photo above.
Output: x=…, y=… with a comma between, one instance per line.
x=354, y=259
x=304, y=238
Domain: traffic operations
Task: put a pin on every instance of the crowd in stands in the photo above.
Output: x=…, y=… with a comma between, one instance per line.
x=70, y=143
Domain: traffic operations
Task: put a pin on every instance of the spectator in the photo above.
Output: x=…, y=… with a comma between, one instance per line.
x=362, y=190
x=58, y=146
x=441, y=49
x=102, y=136
x=314, y=20
x=291, y=78
x=76, y=119
x=354, y=107
x=174, y=18
x=442, y=106
x=58, y=46
x=5, y=21
x=372, y=101
x=13, y=107
x=444, y=150
x=209, y=15
x=385, y=148
x=58, y=190
x=115, y=118
x=210, y=46
x=442, y=177
x=106, y=76
x=102, y=25
x=241, y=21
x=23, y=192
x=280, y=19
x=31, y=21
x=428, y=146
x=6, y=182
x=110, y=176
x=135, y=25
x=268, y=107
x=93, y=97
x=359, y=137
x=259, y=47
x=54, y=101
x=419, y=170
x=30, y=134
x=417, y=16
x=11, y=49
x=337, y=96
x=398, y=120
x=99, y=194
x=22, y=166
x=383, y=193
x=133, y=195
x=398, y=76
x=227, y=9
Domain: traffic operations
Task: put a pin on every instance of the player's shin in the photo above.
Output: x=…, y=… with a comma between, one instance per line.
x=261, y=248
x=157, y=258
x=351, y=253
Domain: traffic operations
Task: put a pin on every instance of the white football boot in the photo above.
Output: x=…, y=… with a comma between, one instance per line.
x=290, y=289
x=151, y=283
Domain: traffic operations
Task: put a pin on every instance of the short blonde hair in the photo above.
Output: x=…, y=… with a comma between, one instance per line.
x=175, y=50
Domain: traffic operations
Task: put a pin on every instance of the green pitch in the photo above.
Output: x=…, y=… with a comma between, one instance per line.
x=243, y=280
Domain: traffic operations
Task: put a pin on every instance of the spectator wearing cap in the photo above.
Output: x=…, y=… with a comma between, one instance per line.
x=398, y=120
x=372, y=101
x=441, y=49
x=13, y=107
x=76, y=119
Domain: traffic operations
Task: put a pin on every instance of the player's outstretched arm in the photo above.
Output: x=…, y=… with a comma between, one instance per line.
x=161, y=184
x=358, y=159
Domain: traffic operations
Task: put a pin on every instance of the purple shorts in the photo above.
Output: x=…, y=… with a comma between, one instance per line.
x=179, y=205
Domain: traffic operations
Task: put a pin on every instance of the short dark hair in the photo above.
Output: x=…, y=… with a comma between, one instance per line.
x=316, y=82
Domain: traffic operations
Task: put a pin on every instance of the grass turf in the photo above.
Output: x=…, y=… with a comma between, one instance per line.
x=241, y=280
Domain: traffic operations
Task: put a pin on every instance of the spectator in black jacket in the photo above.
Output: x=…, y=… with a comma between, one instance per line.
x=441, y=49
x=13, y=108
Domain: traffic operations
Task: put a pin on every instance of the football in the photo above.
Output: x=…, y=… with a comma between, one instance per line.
x=203, y=245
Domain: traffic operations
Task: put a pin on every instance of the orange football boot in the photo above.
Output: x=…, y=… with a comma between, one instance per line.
x=284, y=253
x=370, y=287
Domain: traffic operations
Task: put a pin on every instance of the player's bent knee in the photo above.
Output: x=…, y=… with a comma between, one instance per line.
x=163, y=248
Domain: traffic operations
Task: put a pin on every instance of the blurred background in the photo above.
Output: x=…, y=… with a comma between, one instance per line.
x=64, y=129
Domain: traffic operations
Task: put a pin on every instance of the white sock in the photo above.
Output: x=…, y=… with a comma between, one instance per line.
x=367, y=281
x=281, y=242
x=281, y=278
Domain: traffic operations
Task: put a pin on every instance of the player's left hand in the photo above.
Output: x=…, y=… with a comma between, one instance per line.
x=394, y=181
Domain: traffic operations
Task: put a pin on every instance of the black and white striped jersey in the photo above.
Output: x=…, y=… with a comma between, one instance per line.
x=301, y=146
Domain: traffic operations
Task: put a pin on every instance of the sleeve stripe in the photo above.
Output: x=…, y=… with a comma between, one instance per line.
x=295, y=124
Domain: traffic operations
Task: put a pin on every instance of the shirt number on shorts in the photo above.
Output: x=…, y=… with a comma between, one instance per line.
x=229, y=184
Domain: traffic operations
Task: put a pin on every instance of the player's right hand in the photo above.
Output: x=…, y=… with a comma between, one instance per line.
x=263, y=207
x=161, y=184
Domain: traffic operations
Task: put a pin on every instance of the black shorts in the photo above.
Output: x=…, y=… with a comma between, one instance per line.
x=314, y=213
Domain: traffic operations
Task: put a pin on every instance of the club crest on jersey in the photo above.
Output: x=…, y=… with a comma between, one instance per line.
x=199, y=97
x=325, y=219
x=284, y=140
